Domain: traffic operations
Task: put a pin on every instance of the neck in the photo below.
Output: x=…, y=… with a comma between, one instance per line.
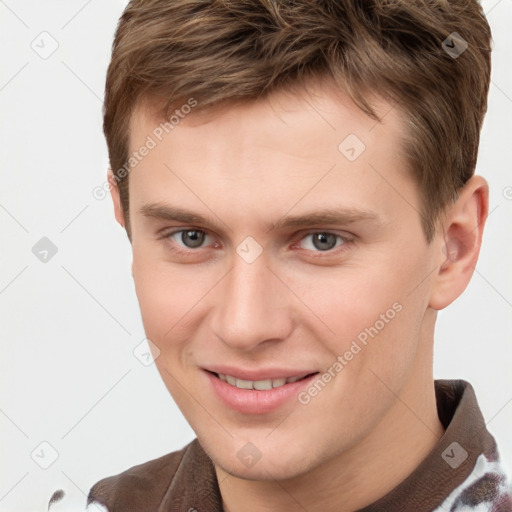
x=358, y=477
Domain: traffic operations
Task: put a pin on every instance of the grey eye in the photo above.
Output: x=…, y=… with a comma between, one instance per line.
x=324, y=241
x=192, y=238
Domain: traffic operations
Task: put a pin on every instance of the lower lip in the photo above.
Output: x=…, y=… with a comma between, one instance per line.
x=252, y=401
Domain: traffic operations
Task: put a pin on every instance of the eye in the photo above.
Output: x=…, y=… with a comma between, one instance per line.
x=322, y=241
x=189, y=238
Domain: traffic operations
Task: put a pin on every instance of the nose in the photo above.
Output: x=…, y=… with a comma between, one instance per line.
x=252, y=306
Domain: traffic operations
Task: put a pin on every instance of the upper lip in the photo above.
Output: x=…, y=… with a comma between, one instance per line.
x=261, y=374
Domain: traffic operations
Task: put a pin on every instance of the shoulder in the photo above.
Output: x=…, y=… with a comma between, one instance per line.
x=139, y=488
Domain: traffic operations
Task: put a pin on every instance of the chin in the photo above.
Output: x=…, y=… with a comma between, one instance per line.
x=265, y=470
x=273, y=464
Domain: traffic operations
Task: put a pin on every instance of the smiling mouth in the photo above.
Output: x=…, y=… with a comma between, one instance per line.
x=260, y=385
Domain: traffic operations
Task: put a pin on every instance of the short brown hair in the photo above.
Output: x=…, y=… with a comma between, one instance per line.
x=241, y=50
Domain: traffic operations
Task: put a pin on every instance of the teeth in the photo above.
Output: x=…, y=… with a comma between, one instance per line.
x=243, y=384
x=278, y=382
x=261, y=385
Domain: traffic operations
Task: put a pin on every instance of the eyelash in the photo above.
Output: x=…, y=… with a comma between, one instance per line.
x=346, y=241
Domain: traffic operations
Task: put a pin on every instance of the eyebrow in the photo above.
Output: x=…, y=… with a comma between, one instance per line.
x=339, y=216
x=342, y=216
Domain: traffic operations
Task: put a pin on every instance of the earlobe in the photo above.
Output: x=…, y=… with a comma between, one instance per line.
x=116, y=198
x=459, y=240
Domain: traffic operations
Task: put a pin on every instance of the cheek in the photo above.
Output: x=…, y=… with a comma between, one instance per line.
x=370, y=310
x=345, y=300
x=170, y=297
x=167, y=308
x=157, y=300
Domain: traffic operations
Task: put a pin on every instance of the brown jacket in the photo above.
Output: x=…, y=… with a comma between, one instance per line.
x=185, y=480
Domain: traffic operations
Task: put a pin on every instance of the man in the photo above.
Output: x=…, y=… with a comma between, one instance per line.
x=297, y=182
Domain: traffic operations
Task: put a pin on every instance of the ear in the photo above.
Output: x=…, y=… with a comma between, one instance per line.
x=116, y=198
x=459, y=238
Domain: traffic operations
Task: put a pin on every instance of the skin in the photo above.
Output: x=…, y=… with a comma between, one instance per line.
x=245, y=167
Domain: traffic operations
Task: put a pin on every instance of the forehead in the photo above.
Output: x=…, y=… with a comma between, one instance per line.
x=320, y=113
x=319, y=110
x=313, y=145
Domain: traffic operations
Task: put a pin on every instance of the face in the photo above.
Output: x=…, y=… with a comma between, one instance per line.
x=277, y=246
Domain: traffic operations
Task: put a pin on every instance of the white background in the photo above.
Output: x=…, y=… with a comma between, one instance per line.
x=69, y=326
